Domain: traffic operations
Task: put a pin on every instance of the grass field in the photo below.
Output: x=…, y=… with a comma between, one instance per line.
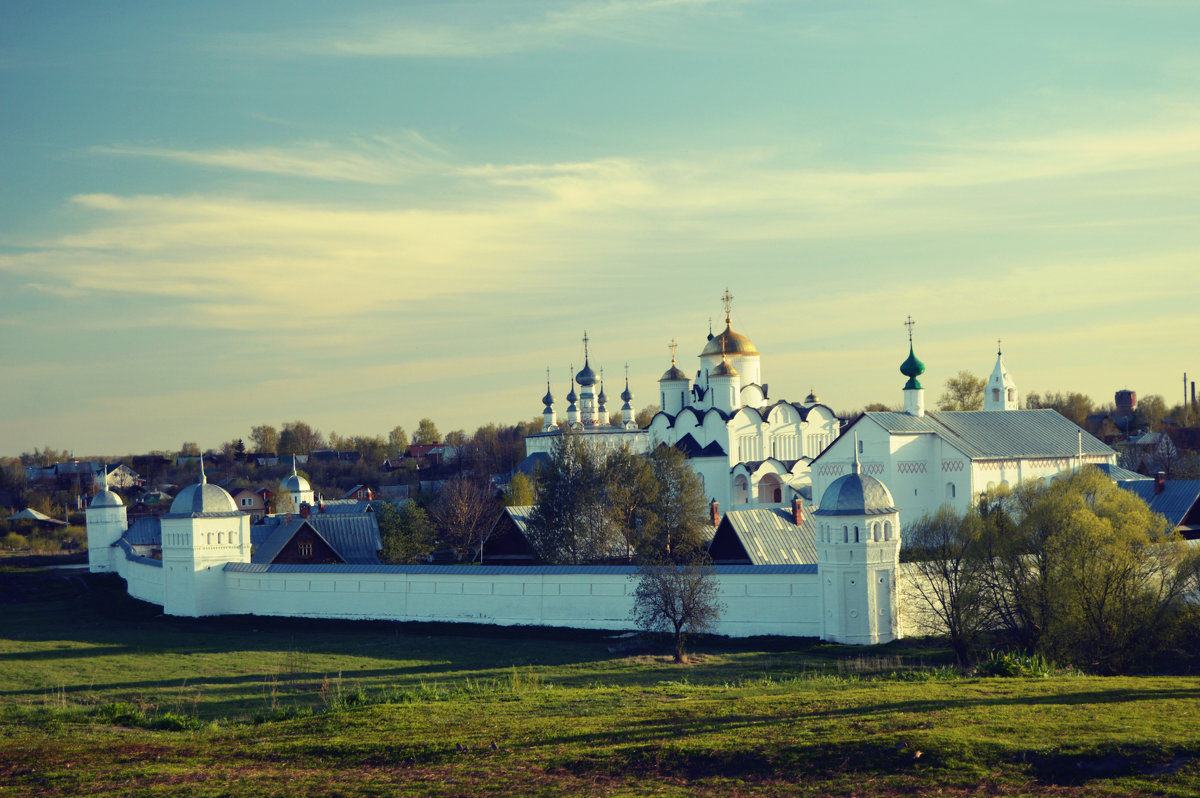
x=105, y=696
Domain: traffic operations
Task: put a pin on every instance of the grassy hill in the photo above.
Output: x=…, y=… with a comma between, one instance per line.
x=105, y=696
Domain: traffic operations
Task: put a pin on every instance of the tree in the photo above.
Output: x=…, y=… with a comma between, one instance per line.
x=629, y=492
x=298, y=437
x=1088, y=575
x=1075, y=406
x=456, y=437
x=1151, y=410
x=406, y=532
x=949, y=584
x=678, y=507
x=427, y=432
x=265, y=439
x=465, y=512
x=679, y=598
x=397, y=442
x=571, y=523
x=645, y=416
x=189, y=449
x=520, y=492
x=964, y=391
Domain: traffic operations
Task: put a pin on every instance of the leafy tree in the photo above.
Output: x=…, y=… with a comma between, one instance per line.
x=465, y=512
x=680, y=598
x=571, y=524
x=406, y=532
x=521, y=492
x=14, y=541
x=456, y=437
x=645, y=416
x=630, y=491
x=1088, y=575
x=1075, y=406
x=1151, y=410
x=964, y=391
x=678, y=508
x=427, y=432
x=372, y=448
x=265, y=439
x=397, y=442
x=189, y=449
x=949, y=588
x=298, y=437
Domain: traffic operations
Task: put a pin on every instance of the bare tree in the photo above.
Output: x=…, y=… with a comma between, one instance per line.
x=465, y=512
x=678, y=598
x=950, y=584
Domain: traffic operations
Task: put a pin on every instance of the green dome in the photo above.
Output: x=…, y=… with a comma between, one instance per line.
x=912, y=368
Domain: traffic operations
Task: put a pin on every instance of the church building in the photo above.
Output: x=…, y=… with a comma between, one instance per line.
x=931, y=458
x=748, y=448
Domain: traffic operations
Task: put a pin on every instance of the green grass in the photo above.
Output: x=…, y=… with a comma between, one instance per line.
x=103, y=695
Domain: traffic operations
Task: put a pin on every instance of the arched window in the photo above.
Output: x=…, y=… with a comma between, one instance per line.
x=845, y=534
x=1012, y=395
x=950, y=490
x=219, y=536
x=875, y=531
x=995, y=394
x=887, y=530
x=209, y=540
x=856, y=533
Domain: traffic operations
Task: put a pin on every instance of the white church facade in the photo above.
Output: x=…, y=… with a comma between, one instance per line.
x=931, y=458
x=748, y=448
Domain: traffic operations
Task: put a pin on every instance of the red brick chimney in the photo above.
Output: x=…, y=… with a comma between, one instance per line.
x=305, y=510
x=714, y=513
x=1160, y=481
x=797, y=511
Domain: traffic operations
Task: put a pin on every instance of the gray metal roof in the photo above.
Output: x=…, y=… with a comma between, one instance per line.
x=983, y=434
x=340, y=506
x=354, y=536
x=133, y=556
x=1177, y=497
x=520, y=516
x=1118, y=474
x=144, y=531
x=770, y=537
x=493, y=570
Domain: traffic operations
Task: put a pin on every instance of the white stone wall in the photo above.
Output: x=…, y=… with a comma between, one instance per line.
x=758, y=601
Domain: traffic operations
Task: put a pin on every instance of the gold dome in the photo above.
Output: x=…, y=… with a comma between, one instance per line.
x=729, y=343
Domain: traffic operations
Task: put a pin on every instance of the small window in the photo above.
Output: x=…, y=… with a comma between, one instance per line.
x=860, y=447
x=856, y=533
x=995, y=394
x=887, y=530
x=305, y=550
x=845, y=534
x=1012, y=395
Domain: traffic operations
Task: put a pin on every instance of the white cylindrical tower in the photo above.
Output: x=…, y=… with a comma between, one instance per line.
x=106, y=522
x=673, y=387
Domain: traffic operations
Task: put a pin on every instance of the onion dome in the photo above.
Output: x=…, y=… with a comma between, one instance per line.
x=203, y=499
x=729, y=343
x=548, y=399
x=912, y=368
x=602, y=397
x=812, y=397
x=571, y=396
x=626, y=395
x=723, y=369
x=586, y=376
x=856, y=493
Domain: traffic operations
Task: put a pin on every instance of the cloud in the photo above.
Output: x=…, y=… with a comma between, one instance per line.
x=478, y=35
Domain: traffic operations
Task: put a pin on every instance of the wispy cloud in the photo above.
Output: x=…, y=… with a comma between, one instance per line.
x=476, y=32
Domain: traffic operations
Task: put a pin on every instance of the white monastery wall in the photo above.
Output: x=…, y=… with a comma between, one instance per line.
x=762, y=601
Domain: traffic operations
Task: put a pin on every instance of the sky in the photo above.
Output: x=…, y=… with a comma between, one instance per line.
x=215, y=215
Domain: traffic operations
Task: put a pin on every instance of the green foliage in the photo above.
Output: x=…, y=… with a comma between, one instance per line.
x=265, y=438
x=407, y=533
x=520, y=492
x=964, y=391
x=1088, y=575
x=14, y=541
x=397, y=442
x=571, y=523
x=427, y=432
x=1011, y=664
x=1073, y=405
x=297, y=437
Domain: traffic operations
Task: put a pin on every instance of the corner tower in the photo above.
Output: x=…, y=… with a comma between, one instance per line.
x=858, y=557
x=106, y=522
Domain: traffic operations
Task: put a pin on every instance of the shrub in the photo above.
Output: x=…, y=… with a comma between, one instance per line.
x=1009, y=664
